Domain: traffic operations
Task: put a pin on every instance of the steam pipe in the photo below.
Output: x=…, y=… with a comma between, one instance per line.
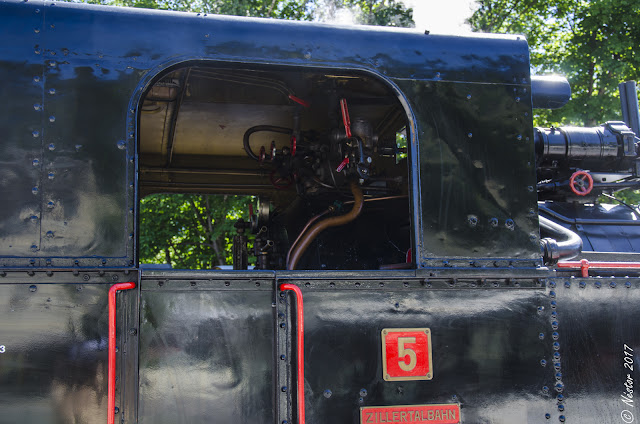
x=311, y=221
x=270, y=128
x=554, y=250
x=333, y=221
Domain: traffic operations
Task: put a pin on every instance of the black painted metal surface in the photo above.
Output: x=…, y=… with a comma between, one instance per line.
x=470, y=203
x=486, y=349
x=597, y=329
x=53, y=368
x=206, y=351
x=77, y=97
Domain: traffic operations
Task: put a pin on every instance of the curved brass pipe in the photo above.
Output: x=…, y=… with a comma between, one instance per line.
x=333, y=221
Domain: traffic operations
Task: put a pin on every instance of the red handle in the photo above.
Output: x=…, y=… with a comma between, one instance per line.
x=345, y=117
x=300, y=346
x=581, y=183
x=111, y=392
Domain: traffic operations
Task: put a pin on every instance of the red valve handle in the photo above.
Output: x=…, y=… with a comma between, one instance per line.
x=273, y=151
x=294, y=145
x=342, y=164
x=345, y=117
x=581, y=183
x=299, y=100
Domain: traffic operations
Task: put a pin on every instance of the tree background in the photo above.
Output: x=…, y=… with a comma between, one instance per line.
x=594, y=43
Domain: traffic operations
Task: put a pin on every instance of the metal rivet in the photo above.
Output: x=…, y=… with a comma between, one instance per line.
x=34, y=190
x=582, y=284
x=52, y=147
x=612, y=284
x=122, y=145
x=36, y=133
x=327, y=393
x=78, y=147
x=469, y=135
x=510, y=224
x=552, y=294
x=34, y=218
x=517, y=99
x=468, y=96
x=493, y=222
x=36, y=30
x=555, y=335
x=33, y=289
x=50, y=205
x=547, y=416
x=52, y=91
x=36, y=79
x=541, y=336
x=52, y=118
x=554, y=325
x=543, y=362
x=545, y=389
x=35, y=162
x=627, y=285
x=519, y=137
x=556, y=346
x=598, y=284
x=283, y=388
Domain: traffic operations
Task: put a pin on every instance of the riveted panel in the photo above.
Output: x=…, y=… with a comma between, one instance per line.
x=53, y=346
x=88, y=170
x=597, y=340
x=21, y=70
x=469, y=203
x=207, y=350
x=491, y=349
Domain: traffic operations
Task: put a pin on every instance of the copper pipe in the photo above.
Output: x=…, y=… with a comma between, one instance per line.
x=333, y=221
x=311, y=221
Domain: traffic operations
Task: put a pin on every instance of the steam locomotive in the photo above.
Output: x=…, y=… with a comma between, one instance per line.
x=423, y=253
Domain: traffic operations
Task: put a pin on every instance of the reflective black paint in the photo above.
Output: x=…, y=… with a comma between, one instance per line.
x=206, y=351
x=72, y=113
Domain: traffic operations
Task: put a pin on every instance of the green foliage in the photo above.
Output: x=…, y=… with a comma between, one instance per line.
x=592, y=43
x=189, y=231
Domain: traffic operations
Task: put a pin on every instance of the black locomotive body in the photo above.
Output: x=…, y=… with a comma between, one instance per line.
x=447, y=261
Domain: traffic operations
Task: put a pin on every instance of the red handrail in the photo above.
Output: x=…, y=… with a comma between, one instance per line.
x=300, y=346
x=111, y=392
x=584, y=265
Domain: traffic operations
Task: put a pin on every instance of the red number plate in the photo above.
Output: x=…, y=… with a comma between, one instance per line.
x=410, y=414
x=406, y=354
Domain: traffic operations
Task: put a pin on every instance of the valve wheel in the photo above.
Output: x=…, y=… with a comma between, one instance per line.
x=581, y=183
